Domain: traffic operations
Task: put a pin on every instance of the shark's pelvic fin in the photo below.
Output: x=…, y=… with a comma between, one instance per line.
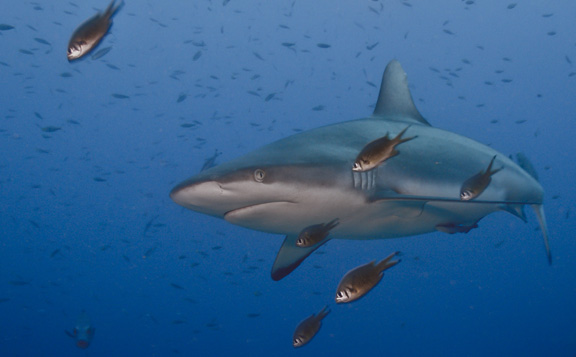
x=290, y=256
x=395, y=100
x=515, y=209
x=539, y=210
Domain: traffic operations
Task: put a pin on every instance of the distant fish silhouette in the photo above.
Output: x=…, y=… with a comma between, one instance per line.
x=211, y=161
x=83, y=331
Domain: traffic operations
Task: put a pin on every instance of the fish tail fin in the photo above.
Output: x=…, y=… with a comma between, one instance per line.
x=113, y=8
x=489, y=170
x=333, y=223
x=387, y=262
x=322, y=314
x=407, y=139
x=539, y=210
x=495, y=171
x=403, y=140
x=399, y=136
x=491, y=163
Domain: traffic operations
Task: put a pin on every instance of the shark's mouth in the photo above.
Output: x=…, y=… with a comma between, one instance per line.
x=261, y=214
x=256, y=207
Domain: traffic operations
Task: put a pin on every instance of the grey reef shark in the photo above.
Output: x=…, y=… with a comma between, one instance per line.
x=308, y=179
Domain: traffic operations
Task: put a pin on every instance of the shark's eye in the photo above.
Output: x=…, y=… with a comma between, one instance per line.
x=259, y=175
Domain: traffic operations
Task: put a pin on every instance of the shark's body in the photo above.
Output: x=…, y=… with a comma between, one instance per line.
x=307, y=179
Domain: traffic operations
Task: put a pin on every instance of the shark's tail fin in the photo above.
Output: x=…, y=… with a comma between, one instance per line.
x=539, y=210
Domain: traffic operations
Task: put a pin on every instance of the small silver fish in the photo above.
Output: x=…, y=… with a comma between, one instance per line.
x=211, y=161
x=476, y=184
x=308, y=328
x=378, y=151
x=359, y=281
x=315, y=233
x=88, y=35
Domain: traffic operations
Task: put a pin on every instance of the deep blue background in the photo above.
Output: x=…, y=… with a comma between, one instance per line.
x=75, y=203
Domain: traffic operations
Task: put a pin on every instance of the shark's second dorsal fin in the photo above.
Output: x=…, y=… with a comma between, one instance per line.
x=395, y=100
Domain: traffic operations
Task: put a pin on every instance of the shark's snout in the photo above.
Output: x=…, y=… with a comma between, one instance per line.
x=201, y=196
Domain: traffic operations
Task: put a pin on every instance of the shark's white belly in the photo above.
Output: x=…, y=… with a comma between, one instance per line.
x=359, y=218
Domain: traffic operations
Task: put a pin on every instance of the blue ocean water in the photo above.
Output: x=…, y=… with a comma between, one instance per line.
x=91, y=149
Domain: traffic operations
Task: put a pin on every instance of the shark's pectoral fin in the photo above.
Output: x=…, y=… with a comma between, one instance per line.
x=539, y=210
x=290, y=256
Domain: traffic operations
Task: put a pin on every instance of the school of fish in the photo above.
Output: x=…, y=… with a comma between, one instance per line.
x=357, y=282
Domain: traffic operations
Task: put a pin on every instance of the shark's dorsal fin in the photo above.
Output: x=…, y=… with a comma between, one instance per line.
x=395, y=100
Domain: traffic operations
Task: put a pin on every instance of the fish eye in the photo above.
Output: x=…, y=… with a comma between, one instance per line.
x=259, y=175
x=300, y=241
